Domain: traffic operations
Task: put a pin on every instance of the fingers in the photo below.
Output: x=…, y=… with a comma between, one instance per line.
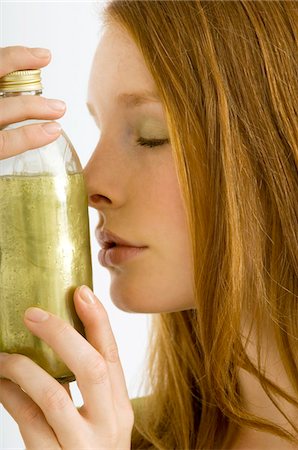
x=18, y=140
x=85, y=362
x=23, y=107
x=100, y=335
x=28, y=415
x=15, y=139
x=22, y=58
x=99, y=377
x=52, y=399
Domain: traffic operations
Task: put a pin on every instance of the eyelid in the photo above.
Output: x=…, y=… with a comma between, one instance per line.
x=151, y=143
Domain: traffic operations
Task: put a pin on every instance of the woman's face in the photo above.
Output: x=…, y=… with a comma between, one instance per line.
x=135, y=188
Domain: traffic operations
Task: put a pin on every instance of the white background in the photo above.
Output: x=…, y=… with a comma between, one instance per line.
x=71, y=31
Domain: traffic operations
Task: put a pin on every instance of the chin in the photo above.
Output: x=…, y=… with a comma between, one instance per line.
x=144, y=300
x=132, y=304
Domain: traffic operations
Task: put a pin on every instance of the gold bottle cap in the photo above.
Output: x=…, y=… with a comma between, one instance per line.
x=21, y=81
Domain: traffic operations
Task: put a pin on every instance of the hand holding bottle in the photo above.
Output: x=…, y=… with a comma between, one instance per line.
x=19, y=108
x=43, y=409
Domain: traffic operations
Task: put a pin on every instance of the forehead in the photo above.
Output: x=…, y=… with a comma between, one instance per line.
x=118, y=66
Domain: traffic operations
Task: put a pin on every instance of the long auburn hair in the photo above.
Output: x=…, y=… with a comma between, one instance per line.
x=227, y=75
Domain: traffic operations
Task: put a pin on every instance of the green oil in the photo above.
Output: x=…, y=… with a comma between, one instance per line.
x=44, y=255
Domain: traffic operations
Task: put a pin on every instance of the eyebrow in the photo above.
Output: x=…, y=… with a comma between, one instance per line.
x=137, y=98
x=132, y=100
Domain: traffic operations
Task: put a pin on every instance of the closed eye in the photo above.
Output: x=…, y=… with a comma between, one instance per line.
x=152, y=142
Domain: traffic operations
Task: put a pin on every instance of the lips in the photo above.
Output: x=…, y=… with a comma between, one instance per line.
x=107, y=239
x=115, y=250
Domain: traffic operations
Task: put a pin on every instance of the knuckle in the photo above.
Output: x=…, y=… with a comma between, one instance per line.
x=27, y=133
x=55, y=397
x=62, y=329
x=96, y=371
x=111, y=353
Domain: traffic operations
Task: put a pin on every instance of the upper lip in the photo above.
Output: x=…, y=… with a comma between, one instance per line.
x=107, y=239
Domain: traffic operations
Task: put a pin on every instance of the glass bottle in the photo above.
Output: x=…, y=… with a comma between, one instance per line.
x=44, y=236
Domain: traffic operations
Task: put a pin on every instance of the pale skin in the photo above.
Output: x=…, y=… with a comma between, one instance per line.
x=135, y=188
x=136, y=193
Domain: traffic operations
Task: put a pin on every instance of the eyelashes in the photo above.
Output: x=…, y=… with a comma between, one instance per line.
x=152, y=142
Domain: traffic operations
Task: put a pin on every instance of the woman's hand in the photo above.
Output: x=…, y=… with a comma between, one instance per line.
x=43, y=408
x=24, y=107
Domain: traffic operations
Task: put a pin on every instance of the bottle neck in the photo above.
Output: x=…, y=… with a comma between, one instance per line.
x=15, y=94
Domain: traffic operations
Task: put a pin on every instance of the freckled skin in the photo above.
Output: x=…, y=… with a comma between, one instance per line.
x=136, y=188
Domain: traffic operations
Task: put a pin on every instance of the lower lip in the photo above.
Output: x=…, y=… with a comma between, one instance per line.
x=117, y=255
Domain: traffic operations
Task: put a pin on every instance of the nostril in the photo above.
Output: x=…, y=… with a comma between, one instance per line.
x=97, y=198
x=94, y=198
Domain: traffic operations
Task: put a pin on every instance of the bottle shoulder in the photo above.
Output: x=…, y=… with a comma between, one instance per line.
x=57, y=157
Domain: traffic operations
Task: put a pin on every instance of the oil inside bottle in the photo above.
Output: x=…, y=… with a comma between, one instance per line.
x=44, y=256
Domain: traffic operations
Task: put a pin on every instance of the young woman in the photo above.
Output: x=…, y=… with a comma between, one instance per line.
x=195, y=174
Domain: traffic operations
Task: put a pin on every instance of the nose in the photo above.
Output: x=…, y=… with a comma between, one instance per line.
x=105, y=179
x=97, y=197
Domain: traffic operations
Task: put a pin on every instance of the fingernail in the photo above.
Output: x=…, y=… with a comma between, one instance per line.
x=57, y=105
x=40, y=52
x=36, y=315
x=52, y=128
x=86, y=295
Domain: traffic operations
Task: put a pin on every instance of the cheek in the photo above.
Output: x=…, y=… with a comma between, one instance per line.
x=171, y=218
x=162, y=280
